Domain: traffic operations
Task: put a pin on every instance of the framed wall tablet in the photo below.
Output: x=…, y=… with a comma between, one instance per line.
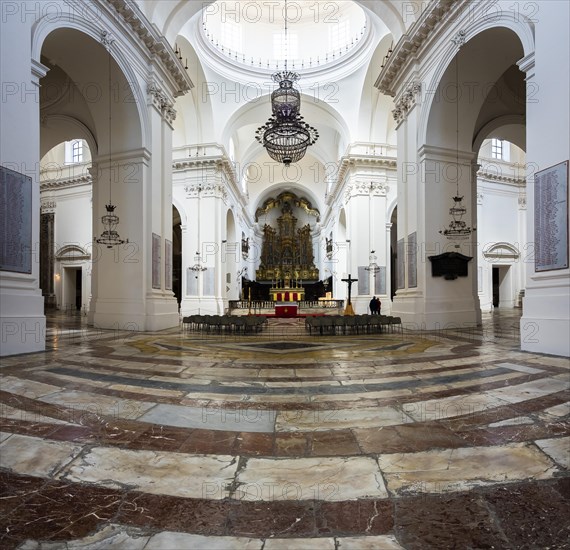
x=551, y=218
x=168, y=264
x=15, y=221
x=401, y=264
x=412, y=260
x=156, y=261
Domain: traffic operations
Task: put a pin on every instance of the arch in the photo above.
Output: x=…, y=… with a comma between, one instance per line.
x=65, y=128
x=391, y=207
x=282, y=186
x=47, y=25
x=520, y=27
x=181, y=210
x=497, y=123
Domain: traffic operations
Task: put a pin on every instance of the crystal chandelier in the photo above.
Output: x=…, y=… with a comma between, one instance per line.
x=285, y=135
x=110, y=237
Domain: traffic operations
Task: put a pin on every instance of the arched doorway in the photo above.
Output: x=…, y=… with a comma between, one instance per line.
x=99, y=100
x=437, y=205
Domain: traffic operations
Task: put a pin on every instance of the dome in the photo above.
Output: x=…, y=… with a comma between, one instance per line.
x=319, y=33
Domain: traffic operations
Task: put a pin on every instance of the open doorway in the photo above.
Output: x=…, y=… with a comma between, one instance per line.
x=502, y=287
x=72, y=288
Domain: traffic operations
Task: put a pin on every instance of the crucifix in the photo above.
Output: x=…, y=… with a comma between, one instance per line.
x=348, y=310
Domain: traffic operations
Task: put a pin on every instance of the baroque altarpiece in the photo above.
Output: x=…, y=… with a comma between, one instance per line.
x=287, y=251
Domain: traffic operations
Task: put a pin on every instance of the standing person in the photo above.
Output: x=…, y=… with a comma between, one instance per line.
x=378, y=306
x=372, y=305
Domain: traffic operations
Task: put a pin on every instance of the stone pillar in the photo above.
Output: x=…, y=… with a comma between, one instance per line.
x=545, y=324
x=387, y=302
x=22, y=320
x=123, y=296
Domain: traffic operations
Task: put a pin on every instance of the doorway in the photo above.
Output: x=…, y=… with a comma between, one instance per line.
x=72, y=288
x=502, y=294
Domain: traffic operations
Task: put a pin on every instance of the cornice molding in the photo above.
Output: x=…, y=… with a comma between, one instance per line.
x=63, y=183
x=491, y=176
x=350, y=162
x=156, y=44
x=214, y=163
x=411, y=42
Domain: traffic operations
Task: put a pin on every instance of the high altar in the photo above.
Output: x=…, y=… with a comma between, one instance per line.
x=287, y=294
x=287, y=256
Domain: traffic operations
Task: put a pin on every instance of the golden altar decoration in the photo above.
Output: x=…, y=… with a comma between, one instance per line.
x=287, y=252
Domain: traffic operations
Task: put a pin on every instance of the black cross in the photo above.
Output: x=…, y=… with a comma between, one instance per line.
x=349, y=281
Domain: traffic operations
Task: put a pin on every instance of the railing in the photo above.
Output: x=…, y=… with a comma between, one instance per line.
x=322, y=58
x=314, y=304
x=269, y=304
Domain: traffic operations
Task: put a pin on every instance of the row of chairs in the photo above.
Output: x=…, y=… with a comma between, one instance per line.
x=336, y=324
x=228, y=323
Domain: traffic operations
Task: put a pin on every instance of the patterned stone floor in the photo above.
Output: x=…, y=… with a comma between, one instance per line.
x=175, y=440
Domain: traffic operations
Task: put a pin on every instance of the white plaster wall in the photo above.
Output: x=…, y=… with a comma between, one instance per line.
x=545, y=324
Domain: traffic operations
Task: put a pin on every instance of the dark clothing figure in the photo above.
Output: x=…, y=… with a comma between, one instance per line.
x=378, y=306
x=374, y=305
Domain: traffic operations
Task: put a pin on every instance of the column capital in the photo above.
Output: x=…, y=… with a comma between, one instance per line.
x=407, y=101
x=161, y=102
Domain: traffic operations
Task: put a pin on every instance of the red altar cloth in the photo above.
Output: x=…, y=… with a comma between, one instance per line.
x=286, y=310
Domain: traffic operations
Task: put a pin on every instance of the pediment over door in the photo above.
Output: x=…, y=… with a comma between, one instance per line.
x=72, y=253
x=501, y=251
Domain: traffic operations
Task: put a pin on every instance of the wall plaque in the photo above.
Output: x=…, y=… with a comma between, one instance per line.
x=449, y=265
x=15, y=221
x=412, y=260
x=156, y=263
x=380, y=281
x=551, y=218
x=168, y=264
x=401, y=264
x=363, y=281
x=191, y=283
x=208, y=282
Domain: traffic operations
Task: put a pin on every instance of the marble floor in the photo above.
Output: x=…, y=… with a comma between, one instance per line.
x=282, y=440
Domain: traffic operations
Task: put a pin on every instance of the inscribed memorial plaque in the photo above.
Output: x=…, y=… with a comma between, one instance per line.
x=363, y=281
x=168, y=264
x=551, y=218
x=191, y=283
x=156, y=264
x=15, y=221
x=208, y=282
x=380, y=281
x=412, y=260
x=401, y=264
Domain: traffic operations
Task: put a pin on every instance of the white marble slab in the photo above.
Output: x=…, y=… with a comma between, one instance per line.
x=34, y=456
x=558, y=449
x=330, y=419
x=332, y=479
x=158, y=472
x=461, y=469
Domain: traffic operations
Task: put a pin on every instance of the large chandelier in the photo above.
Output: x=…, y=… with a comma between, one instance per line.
x=285, y=135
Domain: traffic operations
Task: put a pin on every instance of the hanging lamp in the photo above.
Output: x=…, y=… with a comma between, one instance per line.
x=286, y=136
x=110, y=237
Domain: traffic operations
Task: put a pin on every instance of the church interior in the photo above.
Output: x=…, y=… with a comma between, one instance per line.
x=284, y=274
